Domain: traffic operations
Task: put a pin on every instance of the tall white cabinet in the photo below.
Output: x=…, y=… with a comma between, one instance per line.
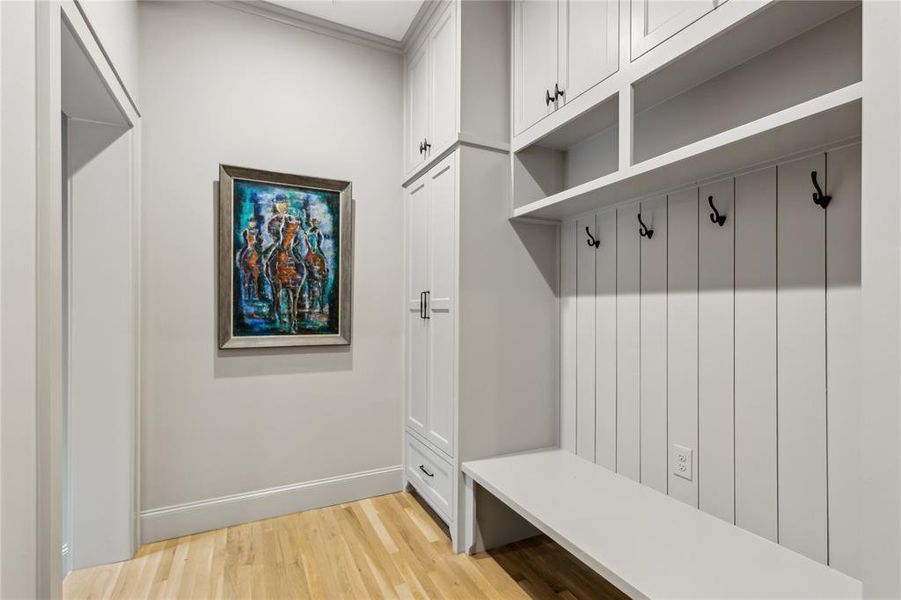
x=474, y=281
x=431, y=225
x=431, y=302
x=475, y=284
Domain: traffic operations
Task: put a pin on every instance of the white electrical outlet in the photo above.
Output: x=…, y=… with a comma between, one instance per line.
x=681, y=461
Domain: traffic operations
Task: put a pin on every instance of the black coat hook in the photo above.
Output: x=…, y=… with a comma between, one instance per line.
x=819, y=198
x=592, y=241
x=715, y=216
x=644, y=231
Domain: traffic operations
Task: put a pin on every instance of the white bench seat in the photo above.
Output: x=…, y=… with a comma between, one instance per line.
x=644, y=542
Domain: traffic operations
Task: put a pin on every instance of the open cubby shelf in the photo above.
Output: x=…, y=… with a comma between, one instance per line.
x=820, y=122
x=583, y=150
x=786, y=79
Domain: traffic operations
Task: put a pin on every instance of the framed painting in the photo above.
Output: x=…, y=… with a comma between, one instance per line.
x=285, y=259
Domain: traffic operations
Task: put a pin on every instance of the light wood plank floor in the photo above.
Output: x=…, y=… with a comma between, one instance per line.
x=385, y=547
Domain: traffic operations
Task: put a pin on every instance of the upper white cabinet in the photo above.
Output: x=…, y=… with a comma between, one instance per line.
x=562, y=48
x=536, y=66
x=443, y=89
x=589, y=44
x=454, y=60
x=431, y=83
x=654, y=21
x=418, y=100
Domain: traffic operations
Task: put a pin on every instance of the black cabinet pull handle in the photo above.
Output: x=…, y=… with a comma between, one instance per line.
x=557, y=91
x=819, y=198
x=422, y=305
x=426, y=145
x=421, y=148
x=547, y=98
x=426, y=471
x=592, y=241
x=644, y=231
x=715, y=216
x=428, y=301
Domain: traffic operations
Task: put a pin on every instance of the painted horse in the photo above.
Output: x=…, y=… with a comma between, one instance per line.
x=286, y=272
x=249, y=261
x=317, y=270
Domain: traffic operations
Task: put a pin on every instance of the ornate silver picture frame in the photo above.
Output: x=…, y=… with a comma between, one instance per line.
x=285, y=259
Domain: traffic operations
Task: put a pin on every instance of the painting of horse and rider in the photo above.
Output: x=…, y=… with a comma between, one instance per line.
x=285, y=259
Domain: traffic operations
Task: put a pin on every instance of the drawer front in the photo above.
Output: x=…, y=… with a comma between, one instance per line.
x=431, y=475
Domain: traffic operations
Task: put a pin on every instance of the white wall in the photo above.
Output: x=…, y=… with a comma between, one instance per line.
x=30, y=186
x=880, y=299
x=18, y=461
x=115, y=23
x=101, y=155
x=222, y=86
x=100, y=342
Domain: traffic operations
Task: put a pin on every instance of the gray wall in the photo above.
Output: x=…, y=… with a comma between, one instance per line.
x=18, y=277
x=100, y=343
x=116, y=24
x=222, y=86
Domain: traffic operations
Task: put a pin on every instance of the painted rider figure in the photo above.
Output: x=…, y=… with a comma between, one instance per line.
x=284, y=267
x=249, y=261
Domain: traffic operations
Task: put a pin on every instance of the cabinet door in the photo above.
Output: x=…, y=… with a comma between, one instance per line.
x=442, y=292
x=589, y=44
x=535, y=38
x=417, y=247
x=443, y=57
x=654, y=21
x=417, y=104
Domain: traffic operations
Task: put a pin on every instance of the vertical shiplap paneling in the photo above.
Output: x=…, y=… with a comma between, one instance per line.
x=843, y=356
x=568, y=336
x=605, y=348
x=801, y=338
x=628, y=278
x=716, y=463
x=682, y=335
x=755, y=353
x=585, y=336
x=726, y=340
x=653, y=346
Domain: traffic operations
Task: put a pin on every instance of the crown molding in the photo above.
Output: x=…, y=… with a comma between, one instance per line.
x=279, y=14
x=419, y=22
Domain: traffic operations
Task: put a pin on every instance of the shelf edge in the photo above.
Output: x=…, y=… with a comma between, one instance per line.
x=744, y=132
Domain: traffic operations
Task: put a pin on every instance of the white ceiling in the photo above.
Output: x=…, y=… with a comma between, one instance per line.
x=387, y=18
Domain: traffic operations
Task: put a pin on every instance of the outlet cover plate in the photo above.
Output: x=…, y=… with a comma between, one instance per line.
x=682, y=461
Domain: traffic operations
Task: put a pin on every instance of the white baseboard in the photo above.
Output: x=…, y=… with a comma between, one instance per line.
x=67, y=560
x=204, y=515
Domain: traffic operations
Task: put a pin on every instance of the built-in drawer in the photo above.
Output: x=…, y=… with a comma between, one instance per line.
x=431, y=475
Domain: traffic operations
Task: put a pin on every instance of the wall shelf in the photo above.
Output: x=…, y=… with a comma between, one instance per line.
x=821, y=121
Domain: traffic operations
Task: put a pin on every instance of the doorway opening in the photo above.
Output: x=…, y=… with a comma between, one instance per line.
x=99, y=332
